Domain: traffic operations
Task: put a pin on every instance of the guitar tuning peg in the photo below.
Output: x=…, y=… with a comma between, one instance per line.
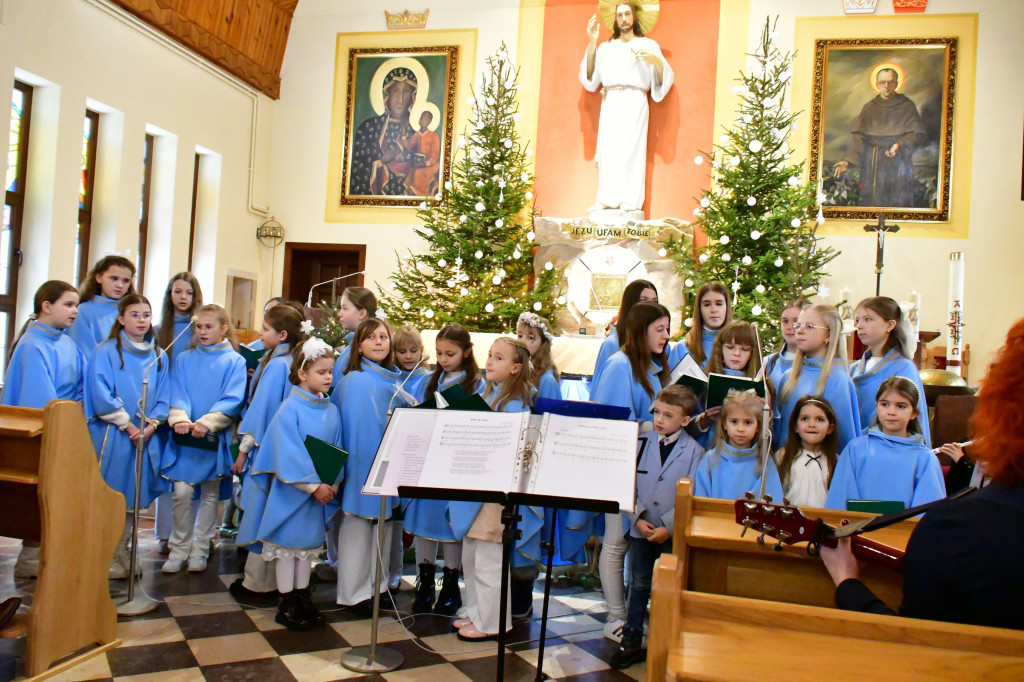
x=750, y=496
x=767, y=498
x=778, y=546
x=785, y=501
x=760, y=539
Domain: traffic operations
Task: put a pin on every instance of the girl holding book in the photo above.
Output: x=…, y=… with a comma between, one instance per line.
x=108, y=281
x=734, y=353
x=112, y=408
x=637, y=291
x=890, y=461
x=734, y=465
x=479, y=525
x=889, y=337
x=207, y=392
x=290, y=525
x=808, y=460
x=819, y=369
x=368, y=387
x=711, y=312
x=427, y=520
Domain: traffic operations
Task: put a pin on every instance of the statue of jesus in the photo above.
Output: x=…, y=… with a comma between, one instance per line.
x=625, y=68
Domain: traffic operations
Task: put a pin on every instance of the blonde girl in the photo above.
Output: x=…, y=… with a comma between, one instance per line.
x=781, y=360
x=535, y=332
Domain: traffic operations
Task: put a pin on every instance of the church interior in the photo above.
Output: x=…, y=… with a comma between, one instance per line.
x=233, y=117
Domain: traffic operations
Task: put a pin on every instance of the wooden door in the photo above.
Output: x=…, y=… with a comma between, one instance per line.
x=308, y=264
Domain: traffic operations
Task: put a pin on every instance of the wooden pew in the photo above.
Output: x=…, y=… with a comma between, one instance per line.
x=51, y=491
x=725, y=607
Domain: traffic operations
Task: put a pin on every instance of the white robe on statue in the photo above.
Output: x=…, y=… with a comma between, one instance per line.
x=622, y=129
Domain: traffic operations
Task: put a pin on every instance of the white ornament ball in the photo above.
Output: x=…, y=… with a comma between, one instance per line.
x=471, y=100
x=698, y=160
x=727, y=257
x=437, y=197
x=755, y=145
x=793, y=181
x=735, y=161
x=703, y=258
x=479, y=253
x=489, y=307
x=759, y=288
x=428, y=313
x=530, y=235
x=501, y=271
x=479, y=206
x=462, y=143
x=529, y=153
x=499, y=222
x=525, y=177
x=755, y=235
x=549, y=265
x=795, y=222
x=705, y=202
x=517, y=254
x=688, y=282
x=697, y=212
x=662, y=252
x=537, y=306
x=747, y=260
x=560, y=300
x=724, y=239
x=430, y=288
x=724, y=139
x=757, y=310
x=450, y=283
x=406, y=305
x=463, y=218
x=529, y=196
x=508, y=144
x=448, y=185
x=441, y=263
x=747, y=118
x=778, y=262
x=689, y=322
x=496, y=280
x=464, y=291
x=464, y=277
x=751, y=201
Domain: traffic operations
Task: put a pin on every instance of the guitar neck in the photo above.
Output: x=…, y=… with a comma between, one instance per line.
x=873, y=552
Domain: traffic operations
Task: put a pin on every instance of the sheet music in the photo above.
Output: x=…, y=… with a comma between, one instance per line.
x=588, y=459
x=404, y=449
x=473, y=450
x=687, y=367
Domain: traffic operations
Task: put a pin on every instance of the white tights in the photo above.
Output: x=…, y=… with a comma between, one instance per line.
x=611, y=566
x=292, y=574
x=426, y=550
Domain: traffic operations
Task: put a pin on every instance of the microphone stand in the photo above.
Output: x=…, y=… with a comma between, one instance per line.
x=309, y=297
x=141, y=605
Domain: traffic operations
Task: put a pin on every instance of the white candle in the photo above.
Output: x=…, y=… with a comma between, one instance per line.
x=954, y=335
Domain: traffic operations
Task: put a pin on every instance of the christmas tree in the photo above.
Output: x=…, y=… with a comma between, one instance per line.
x=759, y=216
x=479, y=269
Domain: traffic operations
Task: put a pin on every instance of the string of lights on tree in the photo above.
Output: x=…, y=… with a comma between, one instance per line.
x=759, y=216
x=479, y=269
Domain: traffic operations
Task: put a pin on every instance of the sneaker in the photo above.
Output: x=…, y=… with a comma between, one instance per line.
x=117, y=571
x=395, y=584
x=196, y=564
x=629, y=653
x=173, y=565
x=613, y=630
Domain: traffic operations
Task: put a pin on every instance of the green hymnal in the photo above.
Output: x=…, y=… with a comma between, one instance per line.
x=327, y=459
x=208, y=442
x=875, y=506
x=719, y=386
x=252, y=357
x=449, y=396
x=688, y=373
x=474, y=402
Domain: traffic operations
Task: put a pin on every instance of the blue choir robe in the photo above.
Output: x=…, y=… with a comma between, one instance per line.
x=340, y=363
x=429, y=518
x=609, y=345
x=777, y=365
x=113, y=392
x=656, y=482
x=95, y=319
x=548, y=386
x=619, y=387
x=462, y=514
x=676, y=350
x=707, y=343
x=206, y=381
x=877, y=466
x=369, y=390
x=46, y=365
x=866, y=382
x=728, y=473
x=272, y=390
x=839, y=392
x=288, y=516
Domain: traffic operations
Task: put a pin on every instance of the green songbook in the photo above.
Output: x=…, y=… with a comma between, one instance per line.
x=451, y=396
x=327, y=459
x=252, y=357
x=474, y=403
x=875, y=506
x=689, y=374
x=208, y=442
x=719, y=386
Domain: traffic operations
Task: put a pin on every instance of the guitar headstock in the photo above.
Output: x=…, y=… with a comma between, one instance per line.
x=784, y=522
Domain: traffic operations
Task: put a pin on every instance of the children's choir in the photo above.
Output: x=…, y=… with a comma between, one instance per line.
x=842, y=434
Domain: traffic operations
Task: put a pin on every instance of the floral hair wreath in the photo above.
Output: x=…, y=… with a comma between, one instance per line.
x=306, y=327
x=534, y=320
x=315, y=348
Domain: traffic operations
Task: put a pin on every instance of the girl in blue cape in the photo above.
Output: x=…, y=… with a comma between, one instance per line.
x=366, y=393
x=637, y=291
x=819, y=370
x=711, y=312
x=113, y=408
x=634, y=375
x=108, y=281
x=734, y=353
x=890, y=461
x=479, y=525
x=270, y=385
x=428, y=520
x=46, y=365
x=182, y=297
x=534, y=331
x=891, y=343
x=781, y=360
x=207, y=392
x=356, y=305
x=290, y=525
x=734, y=465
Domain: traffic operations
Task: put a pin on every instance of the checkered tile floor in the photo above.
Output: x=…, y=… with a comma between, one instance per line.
x=201, y=633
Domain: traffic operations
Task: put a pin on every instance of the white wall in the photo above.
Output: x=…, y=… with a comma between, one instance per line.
x=84, y=51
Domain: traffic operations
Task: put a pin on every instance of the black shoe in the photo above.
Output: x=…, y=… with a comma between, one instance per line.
x=242, y=593
x=424, y=601
x=311, y=613
x=449, y=601
x=289, y=612
x=630, y=651
x=521, y=605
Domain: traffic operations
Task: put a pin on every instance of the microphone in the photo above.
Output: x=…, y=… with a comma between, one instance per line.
x=192, y=320
x=309, y=298
x=401, y=386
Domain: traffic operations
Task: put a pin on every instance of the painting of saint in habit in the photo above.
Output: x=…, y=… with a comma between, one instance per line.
x=397, y=124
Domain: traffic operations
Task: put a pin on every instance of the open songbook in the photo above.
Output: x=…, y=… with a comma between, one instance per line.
x=507, y=452
x=688, y=373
